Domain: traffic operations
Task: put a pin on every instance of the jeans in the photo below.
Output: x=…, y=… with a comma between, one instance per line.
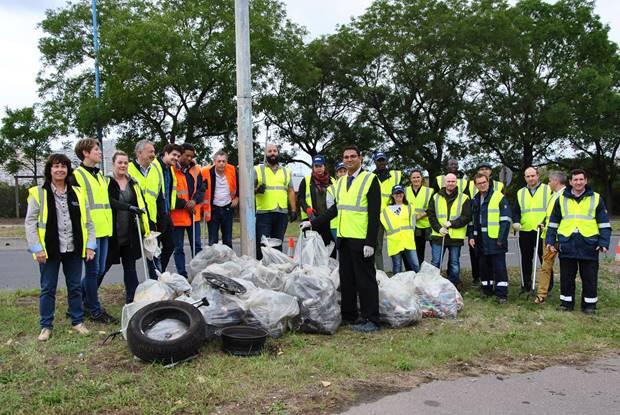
x=454, y=267
x=92, y=271
x=179, y=239
x=270, y=225
x=130, y=274
x=409, y=256
x=221, y=217
x=72, y=268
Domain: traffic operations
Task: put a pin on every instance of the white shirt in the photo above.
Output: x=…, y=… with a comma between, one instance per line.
x=221, y=196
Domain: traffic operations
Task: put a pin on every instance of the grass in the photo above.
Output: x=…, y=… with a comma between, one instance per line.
x=73, y=374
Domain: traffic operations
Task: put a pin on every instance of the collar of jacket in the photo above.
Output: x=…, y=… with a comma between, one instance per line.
x=450, y=196
x=568, y=192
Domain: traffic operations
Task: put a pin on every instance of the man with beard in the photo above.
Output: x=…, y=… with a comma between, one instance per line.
x=275, y=198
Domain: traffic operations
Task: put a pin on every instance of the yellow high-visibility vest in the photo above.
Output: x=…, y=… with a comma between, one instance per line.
x=152, y=185
x=493, y=218
x=276, y=188
x=554, y=197
x=497, y=187
x=533, y=208
x=441, y=210
x=141, y=205
x=39, y=194
x=461, y=182
x=420, y=204
x=579, y=216
x=96, y=191
x=353, y=205
x=399, y=229
x=330, y=190
x=387, y=185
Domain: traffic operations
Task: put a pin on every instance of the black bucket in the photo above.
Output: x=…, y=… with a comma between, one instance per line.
x=243, y=340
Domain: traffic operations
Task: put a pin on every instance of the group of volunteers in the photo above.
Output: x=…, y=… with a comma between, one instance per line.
x=82, y=217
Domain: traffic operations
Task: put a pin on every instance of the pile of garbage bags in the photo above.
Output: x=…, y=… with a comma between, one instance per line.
x=299, y=293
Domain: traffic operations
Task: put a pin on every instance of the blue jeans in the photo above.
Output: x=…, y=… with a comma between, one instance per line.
x=92, y=271
x=454, y=267
x=179, y=239
x=221, y=217
x=409, y=256
x=72, y=268
x=272, y=225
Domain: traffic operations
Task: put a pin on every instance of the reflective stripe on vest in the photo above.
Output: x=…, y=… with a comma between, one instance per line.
x=276, y=189
x=473, y=190
x=533, y=208
x=579, y=216
x=441, y=211
x=181, y=217
x=420, y=203
x=353, y=205
x=96, y=191
x=493, y=218
x=461, y=182
x=308, y=197
x=387, y=185
x=399, y=229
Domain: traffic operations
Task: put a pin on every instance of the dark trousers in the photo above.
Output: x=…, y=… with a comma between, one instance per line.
x=221, y=218
x=72, y=268
x=270, y=225
x=588, y=270
x=357, y=278
x=493, y=274
x=130, y=275
x=166, y=240
x=475, y=261
x=421, y=237
x=527, y=243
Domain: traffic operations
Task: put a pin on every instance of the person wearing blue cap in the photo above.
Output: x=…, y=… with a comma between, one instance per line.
x=387, y=180
x=398, y=219
x=313, y=195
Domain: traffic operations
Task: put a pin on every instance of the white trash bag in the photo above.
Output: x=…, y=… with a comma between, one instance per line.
x=151, y=247
x=398, y=306
x=315, y=253
x=214, y=254
x=272, y=310
x=176, y=282
x=437, y=296
x=153, y=290
x=272, y=256
x=128, y=311
x=271, y=277
x=166, y=330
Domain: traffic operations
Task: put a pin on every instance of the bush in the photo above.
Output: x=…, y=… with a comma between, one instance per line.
x=7, y=200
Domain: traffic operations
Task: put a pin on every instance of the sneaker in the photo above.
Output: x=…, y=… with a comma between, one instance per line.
x=367, y=327
x=564, y=308
x=358, y=320
x=589, y=311
x=501, y=300
x=103, y=318
x=45, y=335
x=81, y=328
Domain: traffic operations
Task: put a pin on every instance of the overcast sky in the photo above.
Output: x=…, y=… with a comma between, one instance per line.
x=19, y=36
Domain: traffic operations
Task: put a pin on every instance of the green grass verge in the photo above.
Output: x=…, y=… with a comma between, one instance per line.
x=73, y=374
x=12, y=231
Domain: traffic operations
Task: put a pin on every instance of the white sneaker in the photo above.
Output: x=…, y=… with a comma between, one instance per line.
x=45, y=334
x=81, y=328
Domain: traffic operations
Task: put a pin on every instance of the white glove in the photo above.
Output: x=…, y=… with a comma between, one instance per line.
x=305, y=225
x=447, y=224
x=368, y=251
x=443, y=231
x=516, y=227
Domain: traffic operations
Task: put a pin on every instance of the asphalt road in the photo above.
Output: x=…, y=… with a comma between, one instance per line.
x=18, y=270
x=557, y=390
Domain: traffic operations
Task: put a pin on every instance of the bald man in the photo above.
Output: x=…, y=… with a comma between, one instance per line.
x=529, y=219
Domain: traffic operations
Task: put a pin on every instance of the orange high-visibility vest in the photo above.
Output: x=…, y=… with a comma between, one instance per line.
x=231, y=177
x=181, y=217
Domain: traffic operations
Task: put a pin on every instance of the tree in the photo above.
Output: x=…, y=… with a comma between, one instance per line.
x=167, y=67
x=409, y=67
x=25, y=140
x=520, y=109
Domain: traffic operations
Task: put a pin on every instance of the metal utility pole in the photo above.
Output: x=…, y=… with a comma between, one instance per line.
x=97, y=85
x=244, y=129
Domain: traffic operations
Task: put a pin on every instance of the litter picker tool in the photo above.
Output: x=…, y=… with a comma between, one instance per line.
x=146, y=272
x=443, y=245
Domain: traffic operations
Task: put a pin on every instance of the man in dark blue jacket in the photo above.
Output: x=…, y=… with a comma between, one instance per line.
x=489, y=237
x=579, y=221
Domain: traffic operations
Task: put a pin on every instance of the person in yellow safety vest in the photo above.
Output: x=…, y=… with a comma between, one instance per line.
x=449, y=213
x=357, y=207
x=275, y=197
x=186, y=215
x=169, y=201
x=489, y=237
x=419, y=196
x=147, y=172
x=312, y=197
x=59, y=231
x=387, y=180
x=557, y=184
x=341, y=170
x=452, y=166
x=127, y=204
x=398, y=219
x=486, y=169
x=580, y=224
x=529, y=217
x=95, y=187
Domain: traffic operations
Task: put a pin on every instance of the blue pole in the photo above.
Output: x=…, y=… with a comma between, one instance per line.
x=97, y=84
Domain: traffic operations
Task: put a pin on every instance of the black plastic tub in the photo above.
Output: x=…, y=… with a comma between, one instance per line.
x=243, y=340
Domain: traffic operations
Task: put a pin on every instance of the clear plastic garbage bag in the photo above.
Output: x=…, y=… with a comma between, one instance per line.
x=128, y=311
x=177, y=282
x=167, y=329
x=437, y=296
x=153, y=290
x=214, y=254
x=272, y=310
x=271, y=277
x=151, y=247
x=272, y=256
x=314, y=253
x=398, y=306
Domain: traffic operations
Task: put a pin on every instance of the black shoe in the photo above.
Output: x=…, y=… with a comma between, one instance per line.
x=346, y=322
x=366, y=327
x=589, y=311
x=564, y=308
x=501, y=300
x=103, y=318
